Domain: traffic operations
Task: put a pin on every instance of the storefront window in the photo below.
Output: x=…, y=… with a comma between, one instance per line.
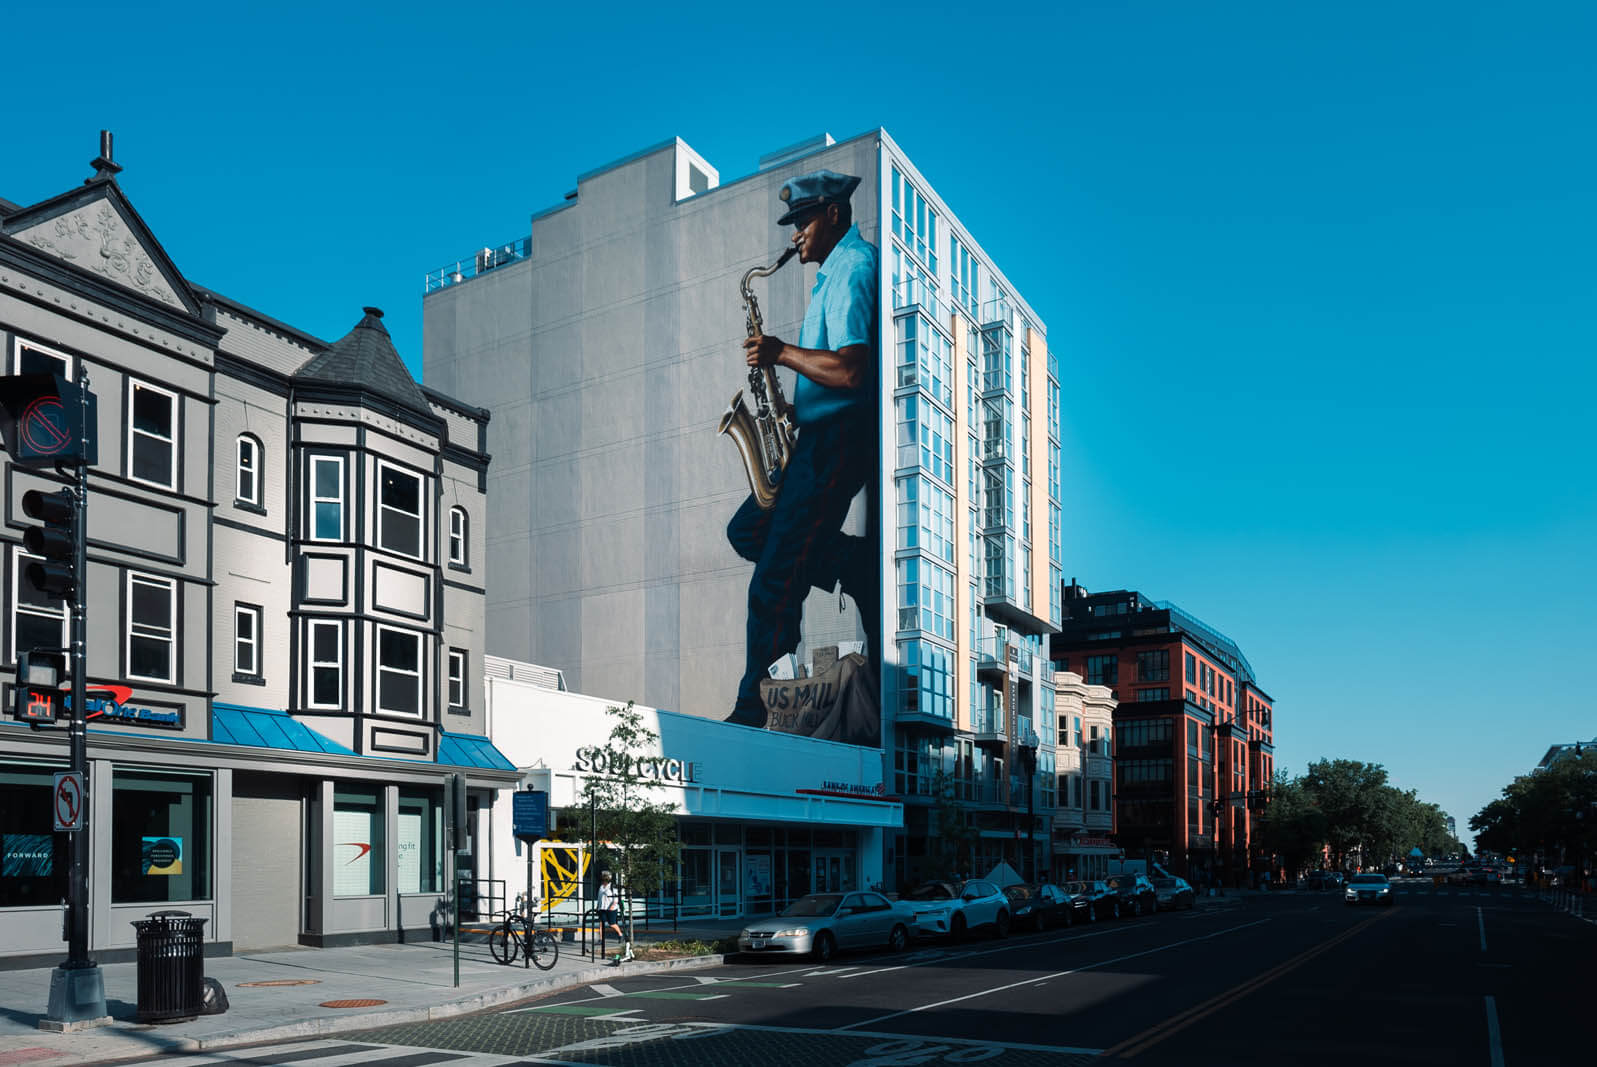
x=33, y=858
x=358, y=853
x=418, y=853
x=160, y=837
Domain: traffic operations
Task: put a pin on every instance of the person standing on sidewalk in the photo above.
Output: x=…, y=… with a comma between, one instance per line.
x=610, y=916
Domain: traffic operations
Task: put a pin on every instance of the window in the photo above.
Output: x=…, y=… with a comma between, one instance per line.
x=29, y=357
x=249, y=471
x=326, y=640
x=247, y=640
x=359, y=855
x=914, y=221
x=37, y=621
x=1094, y=795
x=419, y=853
x=327, y=498
x=36, y=859
x=160, y=837
x=152, y=435
x=1192, y=669
x=1153, y=666
x=398, y=672
x=1161, y=693
x=398, y=511
x=1103, y=670
x=457, y=536
x=152, y=627
x=457, y=680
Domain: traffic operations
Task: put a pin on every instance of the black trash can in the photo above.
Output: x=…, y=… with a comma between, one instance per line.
x=171, y=957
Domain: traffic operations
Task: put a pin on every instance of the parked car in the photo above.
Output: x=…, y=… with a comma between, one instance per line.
x=820, y=924
x=1174, y=893
x=1091, y=901
x=1368, y=889
x=947, y=908
x=1136, y=893
x=1038, y=907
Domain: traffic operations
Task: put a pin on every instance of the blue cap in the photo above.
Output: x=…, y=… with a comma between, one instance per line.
x=811, y=190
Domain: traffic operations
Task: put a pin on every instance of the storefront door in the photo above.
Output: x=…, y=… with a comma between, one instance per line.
x=726, y=882
x=834, y=871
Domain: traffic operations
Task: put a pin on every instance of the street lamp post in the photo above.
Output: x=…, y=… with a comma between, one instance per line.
x=1028, y=756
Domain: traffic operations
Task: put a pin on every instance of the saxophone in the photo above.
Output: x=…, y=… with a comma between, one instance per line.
x=765, y=436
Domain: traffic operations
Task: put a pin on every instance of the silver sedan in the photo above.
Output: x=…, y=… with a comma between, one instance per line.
x=821, y=923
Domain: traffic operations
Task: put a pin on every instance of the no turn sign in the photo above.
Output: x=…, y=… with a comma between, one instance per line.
x=67, y=800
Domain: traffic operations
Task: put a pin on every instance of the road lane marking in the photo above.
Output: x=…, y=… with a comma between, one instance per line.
x=1139, y=1043
x=1493, y=1037
x=739, y=983
x=591, y=1010
x=1480, y=918
x=606, y=990
x=835, y=970
x=1046, y=977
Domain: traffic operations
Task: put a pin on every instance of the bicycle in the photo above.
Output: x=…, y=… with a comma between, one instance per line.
x=518, y=938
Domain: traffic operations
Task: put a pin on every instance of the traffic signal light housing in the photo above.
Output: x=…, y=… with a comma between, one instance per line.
x=38, y=692
x=48, y=421
x=55, y=573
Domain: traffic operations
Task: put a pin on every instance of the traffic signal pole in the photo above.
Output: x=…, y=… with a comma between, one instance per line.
x=77, y=988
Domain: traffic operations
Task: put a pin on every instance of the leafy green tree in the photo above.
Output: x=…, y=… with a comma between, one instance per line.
x=635, y=832
x=1348, y=792
x=954, y=839
x=1552, y=812
x=1292, y=825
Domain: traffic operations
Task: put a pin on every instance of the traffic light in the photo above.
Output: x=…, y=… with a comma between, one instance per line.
x=38, y=693
x=55, y=574
x=47, y=421
x=457, y=812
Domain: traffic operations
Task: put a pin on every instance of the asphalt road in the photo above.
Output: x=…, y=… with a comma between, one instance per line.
x=1446, y=977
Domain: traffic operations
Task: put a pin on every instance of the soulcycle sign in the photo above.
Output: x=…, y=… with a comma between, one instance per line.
x=595, y=760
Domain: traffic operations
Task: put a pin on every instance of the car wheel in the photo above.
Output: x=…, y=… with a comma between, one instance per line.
x=956, y=927
x=1001, y=925
x=825, y=947
x=898, y=940
x=1042, y=921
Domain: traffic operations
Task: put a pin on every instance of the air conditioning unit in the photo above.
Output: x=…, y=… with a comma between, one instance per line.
x=487, y=259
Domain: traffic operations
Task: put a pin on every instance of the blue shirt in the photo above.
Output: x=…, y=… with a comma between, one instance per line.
x=843, y=311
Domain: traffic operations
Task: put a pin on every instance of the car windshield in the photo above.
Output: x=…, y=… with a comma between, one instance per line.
x=814, y=904
x=929, y=891
x=1369, y=879
x=1019, y=892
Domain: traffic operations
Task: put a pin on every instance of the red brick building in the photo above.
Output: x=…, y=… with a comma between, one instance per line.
x=1194, y=741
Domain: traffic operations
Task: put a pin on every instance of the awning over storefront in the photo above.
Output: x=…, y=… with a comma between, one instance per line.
x=234, y=724
x=470, y=750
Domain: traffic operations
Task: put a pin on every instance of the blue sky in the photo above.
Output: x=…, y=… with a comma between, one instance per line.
x=1320, y=279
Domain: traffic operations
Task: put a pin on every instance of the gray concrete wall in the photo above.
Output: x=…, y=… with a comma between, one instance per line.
x=607, y=359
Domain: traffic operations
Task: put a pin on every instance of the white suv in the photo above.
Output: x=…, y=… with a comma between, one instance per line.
x=951, y=909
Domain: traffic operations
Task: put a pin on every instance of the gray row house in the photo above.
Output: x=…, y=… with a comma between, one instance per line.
x=286, y=581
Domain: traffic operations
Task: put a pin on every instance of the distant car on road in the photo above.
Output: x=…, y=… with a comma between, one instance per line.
x=1136, y=893
x=820, y=924
x=1368, y=889
x=1174, y=893
x=1317, y=880
x=1093, y=900
x=1038, y=907
x=953, y=909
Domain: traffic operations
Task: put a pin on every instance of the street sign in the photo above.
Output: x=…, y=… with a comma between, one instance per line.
x=67, y=800
x=529, y=813
x=47, y=420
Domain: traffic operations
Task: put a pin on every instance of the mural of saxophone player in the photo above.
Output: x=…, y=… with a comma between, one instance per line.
x=799, y=543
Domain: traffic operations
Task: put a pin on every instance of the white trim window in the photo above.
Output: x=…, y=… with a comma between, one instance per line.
x=457, y=679
x=398, y=671
x=30, y=357
x=399, y=511
x=325, y=641
x=152, y=627
x=37, y=621
x=457, y=536
x=247, y=640
x=327, y=498
x=249, y=471
x=152, y=435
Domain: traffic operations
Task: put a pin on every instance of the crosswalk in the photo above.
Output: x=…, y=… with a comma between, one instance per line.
x=335, y=1053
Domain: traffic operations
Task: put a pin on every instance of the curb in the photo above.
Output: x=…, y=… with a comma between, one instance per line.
x=336, y=1024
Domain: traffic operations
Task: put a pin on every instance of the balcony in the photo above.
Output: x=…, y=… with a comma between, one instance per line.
x=989, y=727
x=990, y=661
x=923, y=720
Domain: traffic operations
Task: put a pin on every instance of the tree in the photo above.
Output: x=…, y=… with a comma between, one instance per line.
x=954, y=838
x=1292, y=825
x=635, y=832
x=1553, y=811
x=1348, y=793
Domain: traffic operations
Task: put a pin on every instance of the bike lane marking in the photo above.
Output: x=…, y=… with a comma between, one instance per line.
x=1043, y=978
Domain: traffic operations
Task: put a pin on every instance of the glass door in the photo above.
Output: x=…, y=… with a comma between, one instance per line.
x=726, y=882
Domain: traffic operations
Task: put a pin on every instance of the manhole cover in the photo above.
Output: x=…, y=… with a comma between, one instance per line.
x=365, y=1002
x=280, y=981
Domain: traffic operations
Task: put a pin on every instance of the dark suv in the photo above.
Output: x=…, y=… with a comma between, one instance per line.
x=1136, y=894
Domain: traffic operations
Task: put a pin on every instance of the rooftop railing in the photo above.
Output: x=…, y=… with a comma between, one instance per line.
x=479, y=262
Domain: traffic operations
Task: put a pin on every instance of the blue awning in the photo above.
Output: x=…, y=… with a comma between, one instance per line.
x=233, y=724
x=470, y=750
